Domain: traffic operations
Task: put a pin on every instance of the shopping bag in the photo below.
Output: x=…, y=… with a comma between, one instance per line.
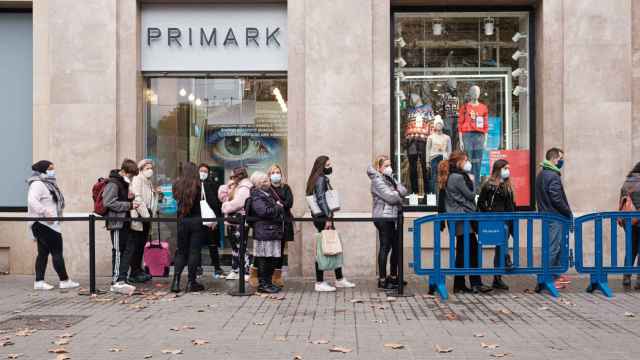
x=333, y=200
x=326, y=263
x=206, y=212
x=331, y=244
x=313, y=205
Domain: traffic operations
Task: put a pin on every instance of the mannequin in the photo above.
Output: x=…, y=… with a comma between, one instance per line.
x=416, y=133
x=438, y=149
x=473, y=126
x=450, y=107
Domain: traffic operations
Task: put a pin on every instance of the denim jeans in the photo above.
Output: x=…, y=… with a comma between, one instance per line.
x=474, y=147
x=433, y=177
x=555, y=243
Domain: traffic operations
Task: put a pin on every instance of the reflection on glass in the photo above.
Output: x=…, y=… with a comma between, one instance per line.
x=460, y=70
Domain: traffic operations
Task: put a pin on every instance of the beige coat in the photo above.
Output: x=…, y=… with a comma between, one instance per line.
x=145, y=196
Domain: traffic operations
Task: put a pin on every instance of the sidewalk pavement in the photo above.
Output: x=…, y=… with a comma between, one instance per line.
x=302, y=324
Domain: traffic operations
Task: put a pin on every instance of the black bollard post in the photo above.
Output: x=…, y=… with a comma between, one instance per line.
x=92, y=253
x=242, y=291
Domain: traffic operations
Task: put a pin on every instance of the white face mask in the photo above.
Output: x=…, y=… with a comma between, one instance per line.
x=204, y=176
x=276, y=178
x=467, y=166
x=505, y=173
x=387, y=171
x=148, y=173
x=126, y=179
x=51, y=174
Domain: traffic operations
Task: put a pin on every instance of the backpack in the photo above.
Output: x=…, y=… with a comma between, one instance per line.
x=96, y=192
x=626, y=205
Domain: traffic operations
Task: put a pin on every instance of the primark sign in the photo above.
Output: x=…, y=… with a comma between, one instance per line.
x=213, y=37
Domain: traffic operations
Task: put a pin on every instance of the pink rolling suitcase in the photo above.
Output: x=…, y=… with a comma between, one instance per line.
x=157, y=258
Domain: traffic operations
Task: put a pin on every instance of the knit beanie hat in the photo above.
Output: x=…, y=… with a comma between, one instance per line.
x=143, y=162
x=41, y=166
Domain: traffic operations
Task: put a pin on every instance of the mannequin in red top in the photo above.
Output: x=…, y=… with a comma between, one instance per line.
x=473, y=125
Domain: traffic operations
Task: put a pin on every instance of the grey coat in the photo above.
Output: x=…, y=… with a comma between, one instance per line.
x=115, y=200
x=386, y=199
x=459, y=198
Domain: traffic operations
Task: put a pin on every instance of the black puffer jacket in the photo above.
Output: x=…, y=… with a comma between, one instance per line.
x=269, y=225
x=496, y=198
x=550, y=193
x=285, y=195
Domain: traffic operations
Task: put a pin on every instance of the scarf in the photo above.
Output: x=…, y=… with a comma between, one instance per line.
x=548, y=165
x=467, y=178
x=52, y=186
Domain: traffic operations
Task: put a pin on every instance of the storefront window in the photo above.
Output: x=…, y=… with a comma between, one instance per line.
x=468, y=75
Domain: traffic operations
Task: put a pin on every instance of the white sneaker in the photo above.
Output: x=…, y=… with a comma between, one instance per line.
x=123, y=288
x=233, y=276
x=344, y=283
x=68, y=284
x=41, y=285
x=324, y=287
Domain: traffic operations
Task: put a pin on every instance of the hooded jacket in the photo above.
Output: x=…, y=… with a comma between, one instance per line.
x=550, y=195
x=115, y=197
x=236, y=205
x=386, y=194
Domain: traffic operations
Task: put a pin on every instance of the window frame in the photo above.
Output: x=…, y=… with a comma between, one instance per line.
x=531, y=39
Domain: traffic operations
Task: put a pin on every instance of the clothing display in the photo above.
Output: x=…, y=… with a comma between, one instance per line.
x=450, y=106
x=417, y=131
x=438, y=144
x=474, y=146
x=473, y=117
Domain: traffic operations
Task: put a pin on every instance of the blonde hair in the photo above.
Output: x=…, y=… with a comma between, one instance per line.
x=258, y=178
x=379, y=160
x=274, y=167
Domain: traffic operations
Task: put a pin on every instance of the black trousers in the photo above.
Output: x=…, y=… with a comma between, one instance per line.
x=190, y=239
x=122, y=246
x=320, y=225
x=139, y=240
x=635, y=240
x=413, y=171
x=49, y=242
x=474, y=280
x=266, y=267
x=211, y=241
x=388, y=234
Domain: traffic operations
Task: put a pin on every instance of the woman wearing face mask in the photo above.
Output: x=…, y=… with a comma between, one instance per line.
x=146, y=198
x=496, y=195
x=212, y=234
x=460, y=198
x=318, y=184
x=45, y=199
x=284, y=196
x=387, y=198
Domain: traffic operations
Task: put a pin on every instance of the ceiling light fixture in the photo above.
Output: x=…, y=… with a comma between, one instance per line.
x=182, y=92
x=198, y=102
x=437, y=27
x=489, y=26
x=191, y=97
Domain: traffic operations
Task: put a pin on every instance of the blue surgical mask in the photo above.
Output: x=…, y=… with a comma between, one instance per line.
x=560, y=163
x=51, y=174
x=505, y=173
x=467, y=166
x=276, y=178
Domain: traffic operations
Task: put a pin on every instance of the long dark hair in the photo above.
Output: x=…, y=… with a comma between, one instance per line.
x=496, y=175
x=316, y=171
x=186, y=188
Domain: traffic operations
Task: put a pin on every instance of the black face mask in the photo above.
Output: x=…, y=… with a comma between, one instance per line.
x=328, y=171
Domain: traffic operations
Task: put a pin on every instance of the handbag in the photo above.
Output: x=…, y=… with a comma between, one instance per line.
x=205, y=210
x=312, y=202
x=333, y=200
x=626, y=205
x=325, y=262
x=331, y=244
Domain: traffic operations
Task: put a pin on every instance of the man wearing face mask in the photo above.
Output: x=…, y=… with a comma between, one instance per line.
x=212, y=241
x=118, y=200
x=146, y=199
x=551, y=198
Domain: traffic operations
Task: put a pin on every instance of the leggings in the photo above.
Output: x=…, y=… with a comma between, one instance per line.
x=190, y=236
x=388, y=234
x=49, y=242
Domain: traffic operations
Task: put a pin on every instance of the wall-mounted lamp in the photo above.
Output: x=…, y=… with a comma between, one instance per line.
x=517, y=36
x=518, y=54
x=519, y=72
x=519, y=90
x=400, y=62
x=400, y=42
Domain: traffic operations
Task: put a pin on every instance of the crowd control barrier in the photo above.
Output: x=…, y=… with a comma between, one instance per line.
x=494, y=230
x=599, y=272
x=241, y=290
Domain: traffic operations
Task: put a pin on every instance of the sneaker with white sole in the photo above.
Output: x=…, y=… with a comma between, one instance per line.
x=344, y=283
x=41, y=285
x=324, y=287
x=68, y=284
x=123, y=288
x=233, y=276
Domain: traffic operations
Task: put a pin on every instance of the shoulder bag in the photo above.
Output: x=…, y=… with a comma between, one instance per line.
x=205, y=210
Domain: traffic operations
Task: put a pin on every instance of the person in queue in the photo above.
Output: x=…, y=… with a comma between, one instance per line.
x=45, y=200
x=551, y=198
x=268, y=230
x=631, y=190
x=496, y=195
x=317, y=185
x=118, y=200
x=146, y=199
x=233, y=197
x=187, y=192
x=460, y=198
x=387, y=196
x=212, y=234
x=284, y=196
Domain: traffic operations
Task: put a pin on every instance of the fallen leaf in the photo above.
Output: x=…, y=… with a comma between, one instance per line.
x=14, y=356
x=442, y=350
x=102, y=299
x=137, y=306
x=478, y=335
x=25, y=332
x=172, y=351
x=280, y=338
x=378, y=307
x=63, y=357
x=544, y=308
x=340, y=350
x=59, y=350
x=199, y=342
x=123, y=301
x=357, y=301
x=629, y=314
x=61, y=342
x=391, y=299
x=452, y=316
x=148, y=356
x=115, y=349
x=297, y=357
x=500, y=355
x=200, y=310
x=505, y=312
x=6, y=343
x=320, y=342
x=489, y=346
x=515, y=297
x=215, y=293
x=258, y=323
x=529, y=291
x=394, y=346
x=65, y=336
x=276, y=297
x=378, y=321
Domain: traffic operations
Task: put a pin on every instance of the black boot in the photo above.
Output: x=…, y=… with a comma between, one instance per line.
x=387, y=284
x=194, y=286
x=267, y=288
x=175, y=284
x=498, y=284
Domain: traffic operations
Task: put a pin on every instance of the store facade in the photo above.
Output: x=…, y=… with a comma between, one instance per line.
x=268, y=82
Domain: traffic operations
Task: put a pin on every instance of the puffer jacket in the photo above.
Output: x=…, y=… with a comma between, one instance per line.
x=270, y=224
x=386, y=194
x=115, y=198
x=550, y=194
x=243, y=191
x=460, y=197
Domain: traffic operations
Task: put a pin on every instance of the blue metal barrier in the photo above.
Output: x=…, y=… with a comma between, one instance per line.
x=599, y=272
x=493, y=230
